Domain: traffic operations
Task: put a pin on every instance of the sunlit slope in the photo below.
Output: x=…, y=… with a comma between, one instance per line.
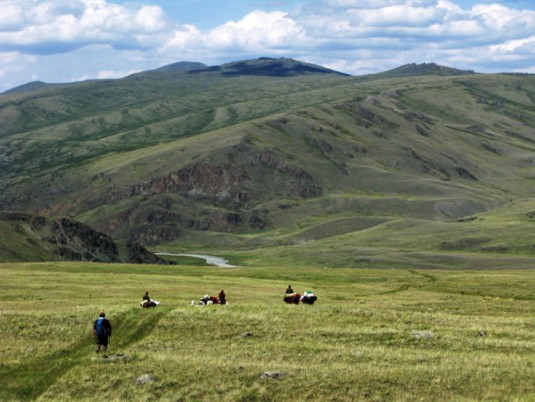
x=500, y=239
x=65, y=126
x=353, y=159
x=241, y=161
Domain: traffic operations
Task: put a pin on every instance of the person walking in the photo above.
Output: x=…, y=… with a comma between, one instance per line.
x=102, y=332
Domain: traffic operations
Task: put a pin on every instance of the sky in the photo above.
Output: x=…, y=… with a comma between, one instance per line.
x=73, y=40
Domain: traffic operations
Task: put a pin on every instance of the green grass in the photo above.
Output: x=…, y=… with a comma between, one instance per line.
x=358, y=342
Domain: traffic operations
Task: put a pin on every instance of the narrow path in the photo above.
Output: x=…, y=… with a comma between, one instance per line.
x=400, y=289
x=407, y=286
x=430, y=277
x=28, y=380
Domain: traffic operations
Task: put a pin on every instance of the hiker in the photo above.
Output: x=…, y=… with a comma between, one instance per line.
x=289, y=290
x=102, y=332
x=222, y=297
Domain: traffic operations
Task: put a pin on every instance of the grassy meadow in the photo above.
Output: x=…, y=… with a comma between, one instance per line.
x=373, y=334
x=417, y=188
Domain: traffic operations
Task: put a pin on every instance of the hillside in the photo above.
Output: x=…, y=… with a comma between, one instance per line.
x=413, y=69
x=268, y=67
x=28, y=237
x=274, y=154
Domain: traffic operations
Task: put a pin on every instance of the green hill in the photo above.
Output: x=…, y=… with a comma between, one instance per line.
x=26, y=237
x=413, y=69
x=276, y=159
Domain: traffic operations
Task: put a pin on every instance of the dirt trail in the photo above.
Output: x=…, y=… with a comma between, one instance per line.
x=30, y=379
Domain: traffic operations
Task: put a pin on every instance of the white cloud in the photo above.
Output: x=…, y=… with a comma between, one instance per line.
x=396, y=15
x=364, y=3
x=12, y=16
x=257, y=31
x=358, y=36
x=187, y=36
x=519, y=46
x=104, y=75
x=500, y=21
x=530, y=70
x=53, y=26
x=12, y=62
x=56, y=26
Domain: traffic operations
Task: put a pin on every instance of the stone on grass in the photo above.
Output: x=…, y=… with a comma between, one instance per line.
x=116, y=358
x=145, y=379
x=272, y=374
x=358, y=353
x=119, y=357
x=423, y=334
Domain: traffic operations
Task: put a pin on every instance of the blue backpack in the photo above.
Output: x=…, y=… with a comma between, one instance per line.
x=100, y=329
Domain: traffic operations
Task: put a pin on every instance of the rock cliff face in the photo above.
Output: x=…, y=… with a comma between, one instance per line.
x=233, y=183
x=216, y=183
x=66, y=239
x=203, y=196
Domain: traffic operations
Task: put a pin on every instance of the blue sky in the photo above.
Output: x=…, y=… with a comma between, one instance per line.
x=73, y=40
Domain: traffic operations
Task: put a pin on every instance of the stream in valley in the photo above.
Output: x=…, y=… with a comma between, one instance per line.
x=210, y=259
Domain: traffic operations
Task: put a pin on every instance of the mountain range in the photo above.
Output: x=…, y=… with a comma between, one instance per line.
x=272, y=159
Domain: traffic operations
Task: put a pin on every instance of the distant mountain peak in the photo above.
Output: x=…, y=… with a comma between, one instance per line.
x=267, y=66
x=182, y=66
x=29, y=87
x=414, y=69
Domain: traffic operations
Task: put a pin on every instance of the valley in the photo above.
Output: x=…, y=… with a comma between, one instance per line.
x=271, y=154
x=404, y=200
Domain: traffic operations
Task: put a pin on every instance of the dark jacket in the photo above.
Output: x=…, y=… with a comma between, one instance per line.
x=106, y=323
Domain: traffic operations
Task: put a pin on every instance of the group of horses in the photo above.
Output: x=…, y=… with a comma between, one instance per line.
x=294, y=298
x=290, y=298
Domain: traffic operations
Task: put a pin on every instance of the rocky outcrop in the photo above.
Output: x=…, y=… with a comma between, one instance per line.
x=140, y=255
x=209, y=197
x=293, y=180
x=219, y=182
x=66, y=239
x=235, y=183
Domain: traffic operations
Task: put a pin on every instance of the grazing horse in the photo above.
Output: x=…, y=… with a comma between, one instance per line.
x=149, y=303
x=309, y=299
x=292, y=298
x=207, y=300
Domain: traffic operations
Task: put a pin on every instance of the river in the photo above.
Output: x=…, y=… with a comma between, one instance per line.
x=210, y=259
